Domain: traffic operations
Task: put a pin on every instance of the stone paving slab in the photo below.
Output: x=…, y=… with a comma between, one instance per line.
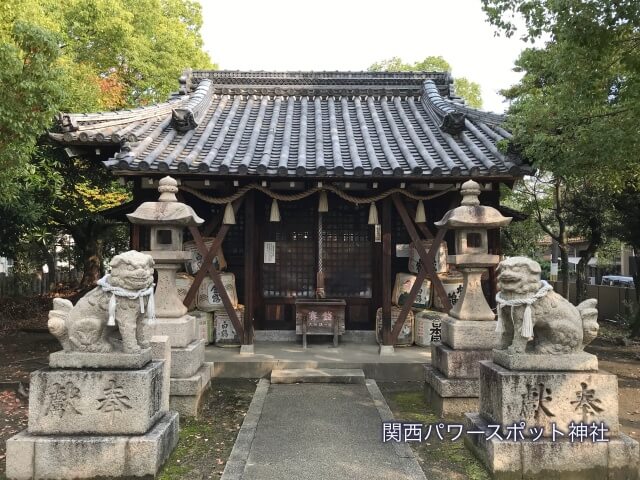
x=318, y=431
x=318, y=375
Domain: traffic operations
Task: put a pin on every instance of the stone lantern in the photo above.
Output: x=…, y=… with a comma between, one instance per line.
x=167, y=219
x=468, y=332
x=471, y=221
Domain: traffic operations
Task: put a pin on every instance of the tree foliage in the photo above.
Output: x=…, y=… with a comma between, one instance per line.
x=577, y=105
x=468, y=90
x=79, y=55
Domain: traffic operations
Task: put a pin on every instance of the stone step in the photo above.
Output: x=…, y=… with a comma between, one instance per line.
x=318, y=375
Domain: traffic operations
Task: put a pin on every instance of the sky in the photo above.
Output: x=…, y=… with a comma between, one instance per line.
x=353, y=34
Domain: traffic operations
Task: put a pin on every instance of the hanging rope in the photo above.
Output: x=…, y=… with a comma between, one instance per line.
x=299, y=196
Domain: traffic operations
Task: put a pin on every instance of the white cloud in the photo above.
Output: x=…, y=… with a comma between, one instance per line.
x=352, y=34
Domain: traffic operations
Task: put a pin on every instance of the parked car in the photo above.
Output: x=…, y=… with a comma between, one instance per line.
x=618, y=281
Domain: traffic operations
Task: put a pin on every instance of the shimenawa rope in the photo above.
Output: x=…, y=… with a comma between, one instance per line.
x=131, y=294
x=527, y=321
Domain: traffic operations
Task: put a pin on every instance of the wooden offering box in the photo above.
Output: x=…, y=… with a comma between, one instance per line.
x=320, y=317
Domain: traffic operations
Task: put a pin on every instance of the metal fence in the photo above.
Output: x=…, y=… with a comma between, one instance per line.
x=612, y=301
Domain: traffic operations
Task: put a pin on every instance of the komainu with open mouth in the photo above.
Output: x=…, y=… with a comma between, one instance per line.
x=529, y=309
x=109, y=317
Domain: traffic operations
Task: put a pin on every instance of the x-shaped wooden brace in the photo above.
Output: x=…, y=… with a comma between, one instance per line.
x=207, y=268
x=426, y=270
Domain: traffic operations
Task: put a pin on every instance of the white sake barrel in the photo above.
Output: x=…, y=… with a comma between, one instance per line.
x=209, y=298
x=452, y=286
x=225, y=332
x=440, y=260
x=405, y=337
x=196, y=262
x=428, y=327
x=404, y=284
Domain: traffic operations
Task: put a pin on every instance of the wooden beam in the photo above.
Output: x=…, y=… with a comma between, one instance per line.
x=427, y=269
x=386, y=272
x=249, y=265
x=424, y=229
x=210, y=255
x=217, y=280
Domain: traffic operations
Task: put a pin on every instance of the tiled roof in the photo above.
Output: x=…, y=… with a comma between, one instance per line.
x=330, y=124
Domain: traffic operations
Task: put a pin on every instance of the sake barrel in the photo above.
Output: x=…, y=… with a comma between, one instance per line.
x=196, y=262
x=404, y=284
x=226, y=335
x=183, y=284
x=452, y=286
x=209, y=298
x=205, y=325
x=439, y=262
x=428, y=327
x=405, y=337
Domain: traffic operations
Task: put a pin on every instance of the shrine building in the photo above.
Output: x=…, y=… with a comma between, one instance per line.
x=317, y=187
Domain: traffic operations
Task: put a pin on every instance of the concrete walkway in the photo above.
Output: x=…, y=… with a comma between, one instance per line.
x=318, y=431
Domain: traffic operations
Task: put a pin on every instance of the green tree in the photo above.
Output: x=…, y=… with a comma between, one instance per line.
x=468, y=90
x=627, y=206
x=32, y=90
x=575, y=110
x=80, y=55
x=577, y=105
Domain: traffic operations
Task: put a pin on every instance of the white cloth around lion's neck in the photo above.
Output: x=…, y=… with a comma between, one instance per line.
x=527, y=321
x=131, y=294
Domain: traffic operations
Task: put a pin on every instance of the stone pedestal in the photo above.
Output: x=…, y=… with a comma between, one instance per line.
x=89, y=456
x=94, y=422
x=187, y=363
x=550, y=400
x=452, y=385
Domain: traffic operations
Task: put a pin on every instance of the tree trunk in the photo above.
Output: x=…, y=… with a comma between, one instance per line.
x=581, y=277
x=563, y=274
x=635, y=322
x=91, y=262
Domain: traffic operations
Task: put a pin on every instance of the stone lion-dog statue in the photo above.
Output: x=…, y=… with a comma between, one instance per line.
x=529, y=309
x=109, y=317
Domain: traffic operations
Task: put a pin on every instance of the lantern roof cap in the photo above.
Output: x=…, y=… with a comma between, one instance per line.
x=167, y=210
x=470, y=214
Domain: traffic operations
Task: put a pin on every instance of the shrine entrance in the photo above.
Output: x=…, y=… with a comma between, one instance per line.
x=338, y=243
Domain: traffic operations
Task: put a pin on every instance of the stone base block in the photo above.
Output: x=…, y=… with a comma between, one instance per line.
x=386, y=350
x=543, y=398
x=188, y=405
x=616, y=459
x=64, y=359
x=469, y=335
x=570, y=362
x=449, y=407
x=247, y=349
x=60, y=457
x=182, y=331
x=192, y=385
x=458, y=363
x=186, y=361
x=103, y=402
x=451, y=387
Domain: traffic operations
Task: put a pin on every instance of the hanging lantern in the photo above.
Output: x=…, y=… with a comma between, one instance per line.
x=275, y=211
x=373, y=214
x=229, y=216
x=421, y=217
x=323, y=205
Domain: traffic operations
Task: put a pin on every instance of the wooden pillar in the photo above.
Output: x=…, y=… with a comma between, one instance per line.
x=386, y=271
x=134, y=236
x=249, y=266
